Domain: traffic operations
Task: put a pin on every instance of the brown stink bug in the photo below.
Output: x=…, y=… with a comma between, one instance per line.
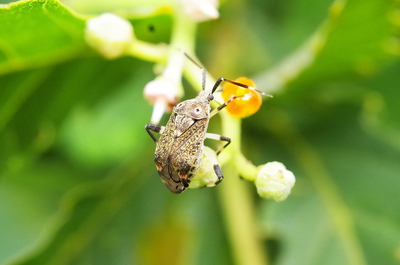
x=179, y=150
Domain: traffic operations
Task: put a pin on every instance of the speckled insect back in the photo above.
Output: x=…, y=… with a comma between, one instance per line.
x=179, y=150
x=180, y=147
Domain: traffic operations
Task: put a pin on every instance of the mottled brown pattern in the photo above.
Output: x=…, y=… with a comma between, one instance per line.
x=180, y=147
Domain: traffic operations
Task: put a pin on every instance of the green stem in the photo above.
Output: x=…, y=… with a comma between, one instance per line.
x=246, y=169
x=237, y=204
x=148, y=52
x=183, y=32
x=236, y=199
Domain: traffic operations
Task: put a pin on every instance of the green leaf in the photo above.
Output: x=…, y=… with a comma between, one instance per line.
x=352, y=41
x=114, y=129
x=380, y=106
x=339, y=203
x=28, y=199
x=37, y=102
x=38, y=33
x=86, y=210
x=357, y=41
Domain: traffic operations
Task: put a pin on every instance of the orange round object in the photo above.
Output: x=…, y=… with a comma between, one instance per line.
x=248, y=102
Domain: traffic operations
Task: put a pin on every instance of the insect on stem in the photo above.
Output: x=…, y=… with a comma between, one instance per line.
x=180, y=147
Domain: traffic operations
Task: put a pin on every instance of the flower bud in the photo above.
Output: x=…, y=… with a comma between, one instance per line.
x=206, y=176
x=109, y=34
x=274, y=181
x=201, y=10
x=166, y=90
x=163, y=93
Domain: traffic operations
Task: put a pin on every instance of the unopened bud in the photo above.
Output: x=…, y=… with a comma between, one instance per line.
x=201, y=10
x=163, y=93
x=109, y=34
x=206, y=176
x=274, y=181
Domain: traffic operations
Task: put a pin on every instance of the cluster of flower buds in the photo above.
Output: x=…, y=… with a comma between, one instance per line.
x=272, y=180
x=112, y=36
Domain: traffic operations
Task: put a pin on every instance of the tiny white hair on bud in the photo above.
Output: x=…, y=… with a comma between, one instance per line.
x=274, y=181
x=109, y=34
x=201, y=10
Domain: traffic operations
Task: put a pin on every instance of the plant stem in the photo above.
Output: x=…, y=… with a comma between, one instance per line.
x=236, y=201
x=183, y=32
x=148, y=52
x=237, y=204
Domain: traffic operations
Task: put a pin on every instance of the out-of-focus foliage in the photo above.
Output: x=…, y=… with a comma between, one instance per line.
x=77, y=179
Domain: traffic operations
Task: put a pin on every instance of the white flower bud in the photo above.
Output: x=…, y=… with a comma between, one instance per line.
x=274, y=181
x=201, y=10
x=109, y=34
x=163, y=93
x=166, y=90
x=206, y=176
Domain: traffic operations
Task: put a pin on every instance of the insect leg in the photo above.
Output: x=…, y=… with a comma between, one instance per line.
x=218, y=172
x=217, y=168
x=223, y=105
x=219, y=138
x=155, y=128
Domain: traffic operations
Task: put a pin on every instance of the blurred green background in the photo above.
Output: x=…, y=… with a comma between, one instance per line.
x=77, y=179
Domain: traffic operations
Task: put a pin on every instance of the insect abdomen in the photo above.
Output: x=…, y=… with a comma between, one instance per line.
x=178, y=157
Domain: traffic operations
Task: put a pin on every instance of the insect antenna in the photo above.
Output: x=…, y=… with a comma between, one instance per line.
x=203, y=71
x=216, y=85
x=218, y=82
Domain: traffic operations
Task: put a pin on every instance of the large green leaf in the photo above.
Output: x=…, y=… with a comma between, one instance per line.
x=37, y=33
x=29, y=199
x=343, y=204
x=37, y=103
